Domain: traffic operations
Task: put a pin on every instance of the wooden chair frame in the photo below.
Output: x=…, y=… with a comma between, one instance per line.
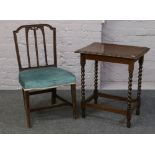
x=27, y=93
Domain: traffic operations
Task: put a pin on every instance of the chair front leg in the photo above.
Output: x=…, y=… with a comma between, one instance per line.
x=73, y=94
x=27, y=107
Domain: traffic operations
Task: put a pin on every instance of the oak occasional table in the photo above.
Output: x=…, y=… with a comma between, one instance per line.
x=113, y=53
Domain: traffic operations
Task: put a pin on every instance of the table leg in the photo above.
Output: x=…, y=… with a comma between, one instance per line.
x=96, y=82
x=141, y=60
x=131, y=69
x=83, y=106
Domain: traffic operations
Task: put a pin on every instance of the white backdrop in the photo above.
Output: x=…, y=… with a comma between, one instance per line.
x=72, y=35
x=138, y=33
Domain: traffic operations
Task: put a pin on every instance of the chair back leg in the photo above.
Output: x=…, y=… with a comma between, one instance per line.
x=53, y=96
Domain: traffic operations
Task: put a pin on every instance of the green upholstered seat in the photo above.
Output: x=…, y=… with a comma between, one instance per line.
x=48, y=77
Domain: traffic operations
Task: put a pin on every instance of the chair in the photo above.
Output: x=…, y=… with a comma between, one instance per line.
x=37, y=79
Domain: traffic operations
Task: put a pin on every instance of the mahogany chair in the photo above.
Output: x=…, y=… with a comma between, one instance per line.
x=38, y=78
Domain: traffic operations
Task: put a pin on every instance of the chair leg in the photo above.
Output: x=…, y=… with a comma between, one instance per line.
x=73, y=93
x=53, y=96
x=27, y=108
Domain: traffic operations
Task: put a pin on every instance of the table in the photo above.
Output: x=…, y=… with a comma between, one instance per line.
x=113, y=53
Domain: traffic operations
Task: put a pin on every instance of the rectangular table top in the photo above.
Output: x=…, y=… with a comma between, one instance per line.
x=114, y=50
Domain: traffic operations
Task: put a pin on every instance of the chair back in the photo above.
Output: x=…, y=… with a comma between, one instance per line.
x=40, y=55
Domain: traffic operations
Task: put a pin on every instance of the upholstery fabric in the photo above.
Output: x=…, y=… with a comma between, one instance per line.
x=48, y=77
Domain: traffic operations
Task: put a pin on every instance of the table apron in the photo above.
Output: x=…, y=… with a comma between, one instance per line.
x=109, y=59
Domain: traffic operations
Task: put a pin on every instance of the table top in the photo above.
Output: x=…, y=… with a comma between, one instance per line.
x=114, y=50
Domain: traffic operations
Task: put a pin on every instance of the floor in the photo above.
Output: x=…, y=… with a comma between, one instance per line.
x=59, y=120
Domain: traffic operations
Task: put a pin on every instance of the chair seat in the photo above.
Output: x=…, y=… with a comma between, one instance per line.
x=48, y=77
